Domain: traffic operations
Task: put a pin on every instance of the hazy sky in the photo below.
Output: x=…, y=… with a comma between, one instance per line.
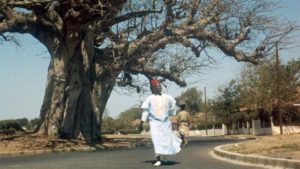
x=23, y=73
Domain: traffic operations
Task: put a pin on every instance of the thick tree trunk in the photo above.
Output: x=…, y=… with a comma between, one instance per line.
x=76, y=95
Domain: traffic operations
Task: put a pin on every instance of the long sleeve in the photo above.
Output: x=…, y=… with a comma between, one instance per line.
x=145, y=115
x=172, y=106
x=145, y=106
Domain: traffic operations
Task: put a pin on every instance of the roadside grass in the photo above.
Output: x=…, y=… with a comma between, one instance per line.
x=295, y=147
x=276, y=146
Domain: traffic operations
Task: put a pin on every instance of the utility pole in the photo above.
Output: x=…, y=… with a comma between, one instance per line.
x=205, y=110
x=278, y=89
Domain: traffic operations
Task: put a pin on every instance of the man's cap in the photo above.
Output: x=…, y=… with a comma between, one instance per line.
x=155, y=83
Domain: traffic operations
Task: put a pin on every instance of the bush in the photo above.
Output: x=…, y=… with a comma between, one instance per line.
x=11, y=125
x=108, y=131
x=129, y=131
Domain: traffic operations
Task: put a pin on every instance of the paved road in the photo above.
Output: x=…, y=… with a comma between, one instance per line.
x=195, y=156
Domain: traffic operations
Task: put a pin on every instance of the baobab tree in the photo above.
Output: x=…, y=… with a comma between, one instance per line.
x=97, y=44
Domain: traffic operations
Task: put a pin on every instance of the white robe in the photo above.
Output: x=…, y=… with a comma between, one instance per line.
x=157, y=109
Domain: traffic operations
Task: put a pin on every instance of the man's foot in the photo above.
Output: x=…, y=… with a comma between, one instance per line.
x=184, y=144
x=158, y=163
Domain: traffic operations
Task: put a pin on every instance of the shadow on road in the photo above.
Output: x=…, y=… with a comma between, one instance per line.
x=163, y=162
x=214, y=140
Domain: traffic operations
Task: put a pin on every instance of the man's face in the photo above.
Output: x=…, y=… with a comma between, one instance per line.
x=156, y=90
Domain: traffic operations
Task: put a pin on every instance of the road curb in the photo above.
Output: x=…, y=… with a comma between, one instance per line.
x=256, y=160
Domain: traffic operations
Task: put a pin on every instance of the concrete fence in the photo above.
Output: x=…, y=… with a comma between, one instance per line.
x=286, y=129
x=208, y=132
x=253, y=127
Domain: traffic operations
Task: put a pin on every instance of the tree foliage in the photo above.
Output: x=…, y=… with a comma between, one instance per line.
x=128, y=116
x=125, y=122
x=227, y=104
x=193, y=99
x=262, y=95
x=17, y=124
x=254, y=93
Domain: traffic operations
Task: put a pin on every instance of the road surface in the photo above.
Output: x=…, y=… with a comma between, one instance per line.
x=195, y=156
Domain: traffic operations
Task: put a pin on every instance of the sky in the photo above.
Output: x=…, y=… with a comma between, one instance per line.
x=23, y=74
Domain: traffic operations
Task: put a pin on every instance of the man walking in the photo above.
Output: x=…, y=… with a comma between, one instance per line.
x=157, y=108
x=183, y=122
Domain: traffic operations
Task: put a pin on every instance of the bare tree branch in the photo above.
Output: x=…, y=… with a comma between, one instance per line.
x=131, y=15
x=156, y=72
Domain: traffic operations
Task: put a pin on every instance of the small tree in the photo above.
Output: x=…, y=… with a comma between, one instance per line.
x=259, y=87
x=227, y=104
x=193, y=99
x=109, y=125
x=33, y=123
x=129, y=116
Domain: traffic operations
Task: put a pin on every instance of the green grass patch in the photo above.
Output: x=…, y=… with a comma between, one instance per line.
x=295, y=147
x=291, y=146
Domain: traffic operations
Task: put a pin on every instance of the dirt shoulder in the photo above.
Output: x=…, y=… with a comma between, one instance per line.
x=32, y=142
x=277, y=146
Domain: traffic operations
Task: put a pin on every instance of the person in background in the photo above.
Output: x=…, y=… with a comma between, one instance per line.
x=183, y=122
x=157, y=108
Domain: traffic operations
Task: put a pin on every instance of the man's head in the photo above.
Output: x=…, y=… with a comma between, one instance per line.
x=155, y=86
